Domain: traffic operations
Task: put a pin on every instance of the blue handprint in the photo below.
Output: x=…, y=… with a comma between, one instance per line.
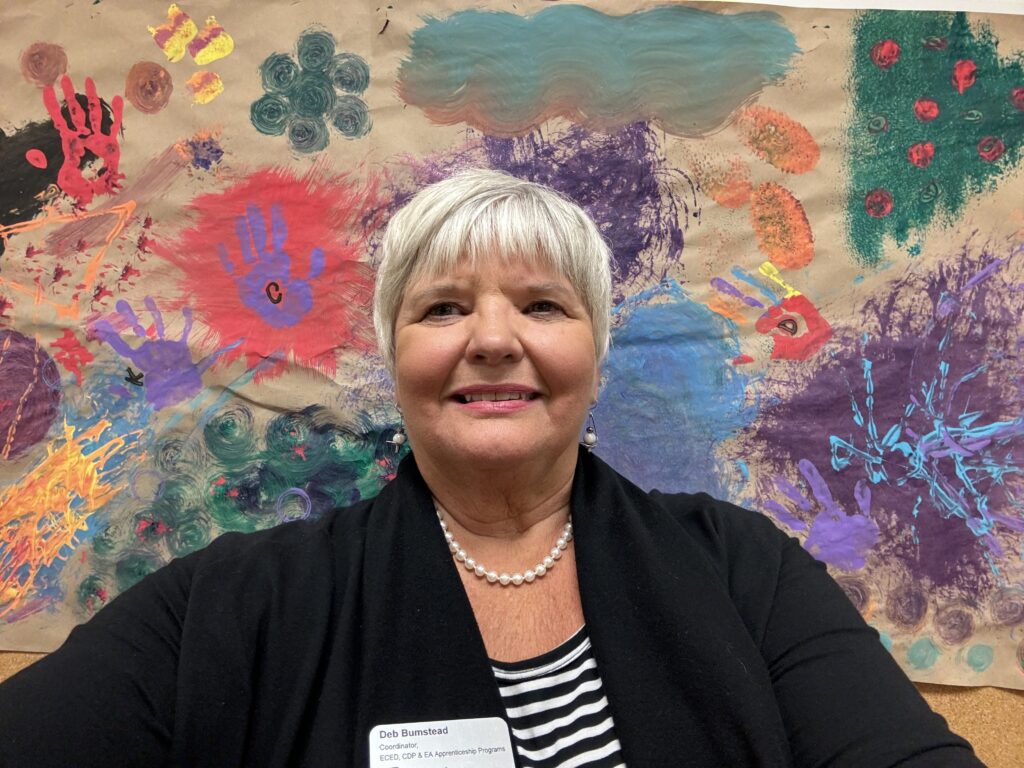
x=269, y=287
x=165, y=366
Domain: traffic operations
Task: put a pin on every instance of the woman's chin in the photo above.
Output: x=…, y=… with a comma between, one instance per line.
x=501, y=454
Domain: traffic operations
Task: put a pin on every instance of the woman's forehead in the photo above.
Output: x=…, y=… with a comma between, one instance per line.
x=488, y=261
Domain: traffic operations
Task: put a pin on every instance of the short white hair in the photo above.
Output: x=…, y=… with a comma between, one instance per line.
x=484, y=213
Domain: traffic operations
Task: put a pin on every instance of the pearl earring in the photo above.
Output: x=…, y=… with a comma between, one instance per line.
x=590, y=436
x=398, y=439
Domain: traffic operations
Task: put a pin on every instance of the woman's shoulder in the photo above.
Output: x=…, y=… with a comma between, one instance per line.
x=738, y=540
x=702, y=512
x=290, y=556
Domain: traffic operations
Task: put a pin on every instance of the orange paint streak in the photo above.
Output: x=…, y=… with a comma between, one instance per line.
x=781, y=226
x=42, y=515
x=70, y=310
x=778, y=139
x=721, y=306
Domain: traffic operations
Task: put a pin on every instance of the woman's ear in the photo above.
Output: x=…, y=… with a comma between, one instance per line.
x=597, y=385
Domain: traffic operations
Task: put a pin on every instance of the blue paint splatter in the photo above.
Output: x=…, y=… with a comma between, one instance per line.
x=923, y=654
x=886, y=641
x=979, y=657
x=668, y=392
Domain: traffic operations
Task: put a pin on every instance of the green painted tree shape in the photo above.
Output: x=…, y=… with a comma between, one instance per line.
x=937, y=118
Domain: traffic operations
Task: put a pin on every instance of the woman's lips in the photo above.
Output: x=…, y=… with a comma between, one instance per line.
x=496, y=406
x=495, y=400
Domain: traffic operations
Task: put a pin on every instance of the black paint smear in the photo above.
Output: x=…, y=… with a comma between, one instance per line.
x=23, y=182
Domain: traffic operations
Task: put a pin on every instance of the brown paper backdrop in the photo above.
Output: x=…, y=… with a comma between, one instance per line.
x=925, y=578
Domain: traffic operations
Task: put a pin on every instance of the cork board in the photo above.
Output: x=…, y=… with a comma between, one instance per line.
x=990, y=718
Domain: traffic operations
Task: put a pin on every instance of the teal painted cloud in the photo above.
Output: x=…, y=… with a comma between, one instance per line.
x=684, y=69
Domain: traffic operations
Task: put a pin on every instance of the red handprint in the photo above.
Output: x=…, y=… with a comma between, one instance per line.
x=85, y=134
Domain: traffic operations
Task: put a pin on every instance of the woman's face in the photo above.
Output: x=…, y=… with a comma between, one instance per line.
x=494, y=364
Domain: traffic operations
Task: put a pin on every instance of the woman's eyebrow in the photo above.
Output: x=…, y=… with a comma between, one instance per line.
x=434, y=291
x=549, y=287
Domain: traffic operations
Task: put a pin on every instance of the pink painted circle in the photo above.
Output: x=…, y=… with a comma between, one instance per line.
x=29, y=394
x=36, y=158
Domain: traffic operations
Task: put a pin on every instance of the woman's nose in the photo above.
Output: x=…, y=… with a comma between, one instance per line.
x=494, y=336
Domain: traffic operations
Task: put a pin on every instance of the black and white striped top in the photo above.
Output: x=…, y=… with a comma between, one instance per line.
x=557, y=709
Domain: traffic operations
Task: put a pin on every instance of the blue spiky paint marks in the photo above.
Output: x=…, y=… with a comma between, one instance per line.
x=919, y=412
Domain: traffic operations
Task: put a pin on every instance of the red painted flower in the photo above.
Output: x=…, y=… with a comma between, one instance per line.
x=921, y=154
x=991, y=149
x=885, y=53
x=965, y=72
x=878, y=203
x=926, y=109
x=1017, y=97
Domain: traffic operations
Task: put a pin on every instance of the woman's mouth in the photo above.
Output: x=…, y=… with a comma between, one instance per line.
x=478, y=397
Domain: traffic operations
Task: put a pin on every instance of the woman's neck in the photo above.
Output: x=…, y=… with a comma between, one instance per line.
x=502, y=504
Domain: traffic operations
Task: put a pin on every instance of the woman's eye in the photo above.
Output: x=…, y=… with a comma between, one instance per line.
x=445, y=309
x=543, y=308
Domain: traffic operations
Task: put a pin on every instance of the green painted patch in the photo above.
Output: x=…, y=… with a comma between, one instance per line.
x=937, y=118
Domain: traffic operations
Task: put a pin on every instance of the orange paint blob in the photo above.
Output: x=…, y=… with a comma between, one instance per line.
x=727, y=183
x=778, y=139
x=780, y=224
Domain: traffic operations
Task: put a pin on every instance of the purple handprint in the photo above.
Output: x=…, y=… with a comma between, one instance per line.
x=268, y=287
x=165, y=366
x=835, y=537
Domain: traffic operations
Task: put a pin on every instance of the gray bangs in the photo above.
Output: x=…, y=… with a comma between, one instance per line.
x=508, y=229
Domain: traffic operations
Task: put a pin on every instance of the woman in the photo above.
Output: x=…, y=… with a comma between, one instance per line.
x=507, y=578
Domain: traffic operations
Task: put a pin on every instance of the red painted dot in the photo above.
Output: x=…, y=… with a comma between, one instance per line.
x=878, y=203
x=1017, y=97
x=921, y=154
x=36, y=158
x=885, y=53
x=965, y=73
x=991, y=149
x=926, y=109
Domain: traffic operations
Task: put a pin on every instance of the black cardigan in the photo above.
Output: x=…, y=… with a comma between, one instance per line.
x=719, y=640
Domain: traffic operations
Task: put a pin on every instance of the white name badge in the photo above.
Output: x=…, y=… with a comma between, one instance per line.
x=480, y=742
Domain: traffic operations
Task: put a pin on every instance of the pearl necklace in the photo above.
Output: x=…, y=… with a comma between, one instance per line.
x=505, y=579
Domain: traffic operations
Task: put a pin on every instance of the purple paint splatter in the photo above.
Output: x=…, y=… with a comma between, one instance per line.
x=622, y=180
x=918, y=423
x=641, y=205
x=204, y=153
